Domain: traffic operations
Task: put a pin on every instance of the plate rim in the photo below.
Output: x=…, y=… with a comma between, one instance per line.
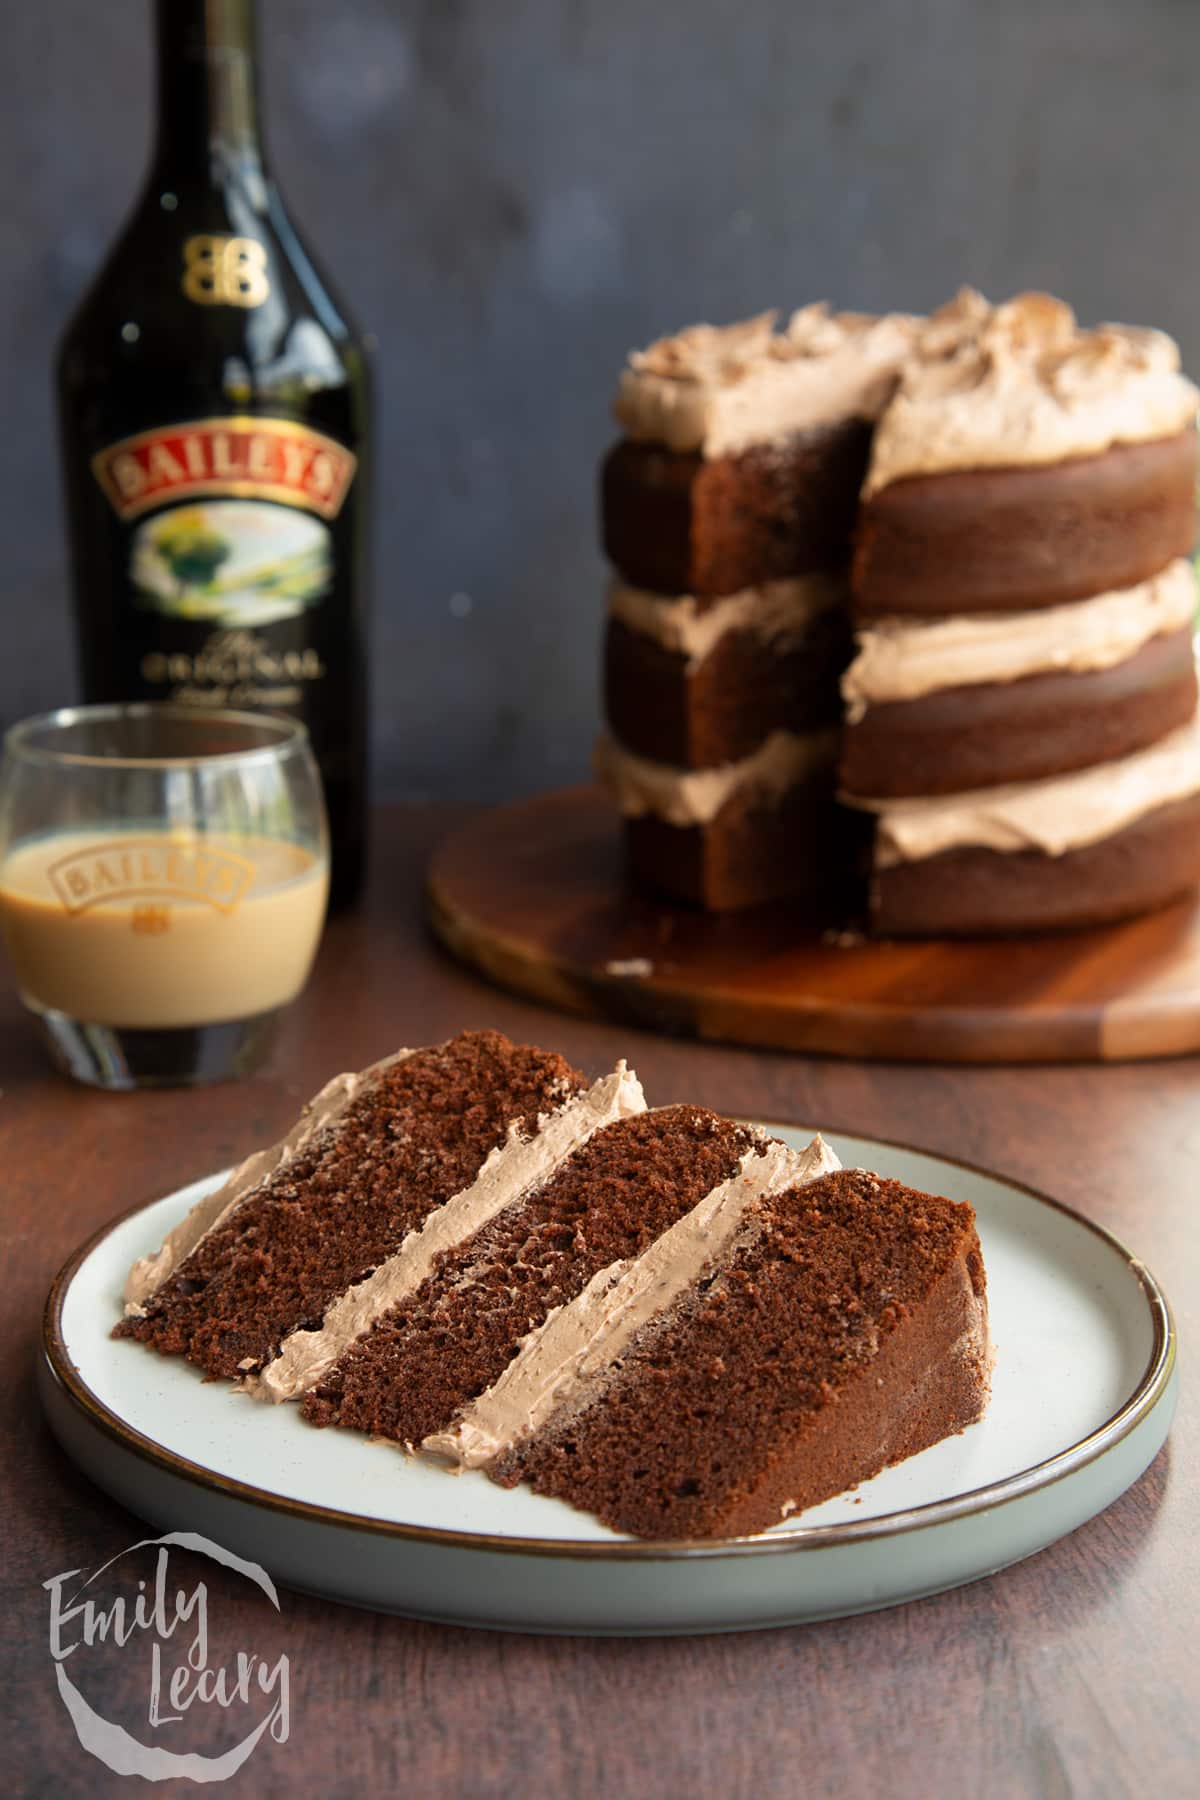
x=1151, y=1387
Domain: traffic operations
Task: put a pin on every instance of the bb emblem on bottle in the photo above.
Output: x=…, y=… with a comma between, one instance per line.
x=225, y=271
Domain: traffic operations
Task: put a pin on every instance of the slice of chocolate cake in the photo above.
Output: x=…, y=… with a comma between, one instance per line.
x=419, y=1364
x=449, y=1134
x=667, y=1317
x=777, y=1345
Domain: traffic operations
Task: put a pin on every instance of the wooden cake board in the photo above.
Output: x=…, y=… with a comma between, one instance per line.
x=533, y=895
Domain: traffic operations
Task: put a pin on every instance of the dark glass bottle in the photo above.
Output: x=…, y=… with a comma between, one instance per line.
x=213, y=416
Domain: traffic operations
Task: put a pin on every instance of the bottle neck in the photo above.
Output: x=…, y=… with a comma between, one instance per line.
x=208, y=117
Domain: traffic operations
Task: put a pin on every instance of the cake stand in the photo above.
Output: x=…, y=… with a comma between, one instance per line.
x=533, y=895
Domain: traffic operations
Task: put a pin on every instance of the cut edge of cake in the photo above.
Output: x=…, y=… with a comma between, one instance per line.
x=510, y=1171
x=661, y=1439
x=320, y=1113
x=578, y=1342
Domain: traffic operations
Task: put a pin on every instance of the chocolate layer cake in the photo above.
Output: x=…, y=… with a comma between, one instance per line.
x=453, y=1131
x=464, y=1237
x=777, y=1345
x=677, y=522
x=1021, y=588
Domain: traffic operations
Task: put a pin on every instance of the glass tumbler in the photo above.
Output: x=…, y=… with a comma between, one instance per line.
x=163, y=879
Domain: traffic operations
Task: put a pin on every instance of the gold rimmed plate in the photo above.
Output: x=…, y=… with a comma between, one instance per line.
x=1083, y=1393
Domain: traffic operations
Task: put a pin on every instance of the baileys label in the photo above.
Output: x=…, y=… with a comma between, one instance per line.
x=263, y=459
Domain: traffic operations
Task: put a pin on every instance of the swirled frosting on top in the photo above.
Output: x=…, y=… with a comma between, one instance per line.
x=722, y=389
x=1022, y=383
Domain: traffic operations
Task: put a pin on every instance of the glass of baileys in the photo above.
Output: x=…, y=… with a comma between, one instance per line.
x=164, y=872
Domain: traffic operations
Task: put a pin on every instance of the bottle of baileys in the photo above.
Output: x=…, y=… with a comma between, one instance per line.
x=213, y=415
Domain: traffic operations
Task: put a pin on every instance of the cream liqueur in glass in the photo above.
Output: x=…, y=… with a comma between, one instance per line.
x=163, y=882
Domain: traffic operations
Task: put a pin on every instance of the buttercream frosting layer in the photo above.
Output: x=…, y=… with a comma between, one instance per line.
x=572, y=1352
x=322, y=1111
x=511, y=1170
x=779, y=612
x=1022, y=383
x=1059, y=814
x=687, y=797
x=903, y=659
x=722, y=389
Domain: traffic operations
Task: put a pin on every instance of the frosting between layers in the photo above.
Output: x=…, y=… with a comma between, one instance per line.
x=1055, y=815
x=511, y=1169
x=779, y=612
x=899, y=659
x=575, y=1348
x=686, y=797
x=721, y=389
x=323, y=1110
x=1022, y=383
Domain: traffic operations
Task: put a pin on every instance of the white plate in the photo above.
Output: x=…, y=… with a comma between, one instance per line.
x=1083, y=1394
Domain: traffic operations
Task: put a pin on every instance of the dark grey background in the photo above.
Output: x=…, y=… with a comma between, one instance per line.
x=512, y=192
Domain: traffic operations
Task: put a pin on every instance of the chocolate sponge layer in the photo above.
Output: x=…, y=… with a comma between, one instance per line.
x=973, y=737
x=973, y=892
x=1005, y=540
x=805, y=847
x=724, y=708
x=677, y=523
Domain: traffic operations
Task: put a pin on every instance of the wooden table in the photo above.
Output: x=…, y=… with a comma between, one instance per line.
x=1073, y=1674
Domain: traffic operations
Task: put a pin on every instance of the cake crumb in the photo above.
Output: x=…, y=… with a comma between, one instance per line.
x=636, y=968
x=843, y=940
